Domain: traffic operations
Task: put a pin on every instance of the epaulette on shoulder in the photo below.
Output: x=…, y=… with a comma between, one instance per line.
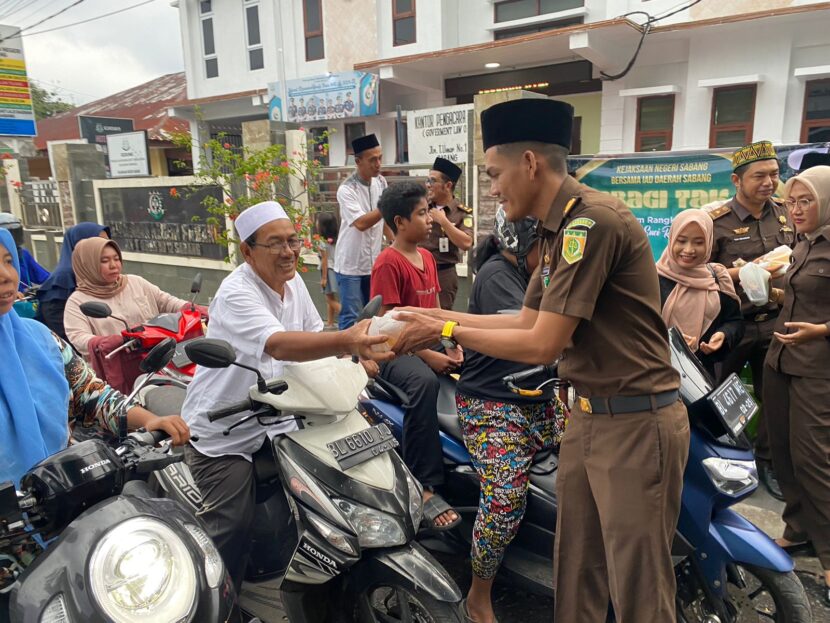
x=461, y=206
x=572, y=203
x=719, y=212
x=778, y=200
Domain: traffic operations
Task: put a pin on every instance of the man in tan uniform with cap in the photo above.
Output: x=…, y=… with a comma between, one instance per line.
x=595, y=301
x=751, y=224
x=452, y=227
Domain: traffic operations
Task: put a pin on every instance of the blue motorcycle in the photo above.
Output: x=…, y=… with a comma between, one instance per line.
x=728, y=570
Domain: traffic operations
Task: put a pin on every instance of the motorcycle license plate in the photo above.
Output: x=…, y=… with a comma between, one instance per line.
x=359, y=447
x=733, y=404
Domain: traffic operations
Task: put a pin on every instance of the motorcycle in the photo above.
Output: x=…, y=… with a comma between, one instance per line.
x=337, y=512
x=110, y=551
x=727, y=569
x=182, y=326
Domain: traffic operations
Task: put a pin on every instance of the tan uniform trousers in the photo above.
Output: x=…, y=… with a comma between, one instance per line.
x=448, y=280
x=619, y=483
x=798, y=418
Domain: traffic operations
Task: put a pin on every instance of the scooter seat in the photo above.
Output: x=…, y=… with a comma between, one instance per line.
x=164, y=400
x=447, y=413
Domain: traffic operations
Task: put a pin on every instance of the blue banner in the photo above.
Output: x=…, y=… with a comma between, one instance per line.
x=321, y=98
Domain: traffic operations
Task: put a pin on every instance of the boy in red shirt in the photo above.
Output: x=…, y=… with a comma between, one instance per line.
x=406, y=275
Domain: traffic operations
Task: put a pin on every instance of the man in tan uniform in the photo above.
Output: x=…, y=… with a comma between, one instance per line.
x=595, y=301
x=452, y=227
x=746, y=227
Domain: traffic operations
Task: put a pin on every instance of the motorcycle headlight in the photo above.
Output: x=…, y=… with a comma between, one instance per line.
x=141, y=571
x=373, y=527
x=214, y=567
x=731, y=476
x=416, y=500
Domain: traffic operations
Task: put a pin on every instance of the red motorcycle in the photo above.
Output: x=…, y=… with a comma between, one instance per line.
x=182, y=326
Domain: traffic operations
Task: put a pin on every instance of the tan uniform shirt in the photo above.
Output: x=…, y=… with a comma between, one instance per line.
x=739, y=235
x=447, y=253
x=597, y=265
x=806, y=299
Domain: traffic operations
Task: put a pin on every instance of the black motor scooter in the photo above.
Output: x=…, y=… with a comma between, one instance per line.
x=103, y=548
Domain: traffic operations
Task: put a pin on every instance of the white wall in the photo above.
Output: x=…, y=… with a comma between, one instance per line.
x=686, y=57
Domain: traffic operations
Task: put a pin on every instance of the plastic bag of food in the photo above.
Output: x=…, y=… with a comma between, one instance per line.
x=776, y=261
x=755, y=282
x=388, y=326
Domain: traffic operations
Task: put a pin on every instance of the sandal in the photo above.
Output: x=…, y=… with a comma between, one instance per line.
x=434, y=507
x=465, y=614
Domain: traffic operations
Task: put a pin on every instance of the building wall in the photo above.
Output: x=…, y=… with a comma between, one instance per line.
x=589, y=107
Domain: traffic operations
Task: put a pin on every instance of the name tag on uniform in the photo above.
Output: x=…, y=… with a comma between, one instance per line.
x=741, y=238
x=444, y=245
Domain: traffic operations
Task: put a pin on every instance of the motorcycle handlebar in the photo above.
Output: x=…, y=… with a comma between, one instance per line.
x=238, y=407
x=518, y=377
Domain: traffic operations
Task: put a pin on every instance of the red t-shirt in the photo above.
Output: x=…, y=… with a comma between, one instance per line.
x=401, y=283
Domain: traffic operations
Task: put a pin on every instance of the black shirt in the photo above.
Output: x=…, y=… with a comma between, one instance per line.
x=498, y=286
x=730, y=320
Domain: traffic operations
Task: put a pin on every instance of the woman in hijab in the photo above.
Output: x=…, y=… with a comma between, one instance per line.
x=42, y=379
x=698, y=297
x=798, y=364
x=54, y=292
x=98, y=270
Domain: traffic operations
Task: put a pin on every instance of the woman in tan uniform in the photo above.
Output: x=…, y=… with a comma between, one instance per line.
x=798, y=369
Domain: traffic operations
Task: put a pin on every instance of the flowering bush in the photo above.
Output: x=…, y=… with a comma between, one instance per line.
x=250, y=176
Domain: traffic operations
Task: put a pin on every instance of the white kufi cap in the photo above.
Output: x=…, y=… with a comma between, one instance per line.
x=256, y=216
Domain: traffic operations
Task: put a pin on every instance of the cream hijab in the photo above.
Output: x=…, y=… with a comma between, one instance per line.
x=817, y=180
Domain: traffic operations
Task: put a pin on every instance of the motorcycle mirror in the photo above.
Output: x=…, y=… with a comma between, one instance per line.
x=210, y=353
x=372, y=308
x=196, y=284
x=160, y=355
x=96, y=309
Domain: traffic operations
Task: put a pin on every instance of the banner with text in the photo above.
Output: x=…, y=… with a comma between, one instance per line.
x=437, y=132
x=657, y=187
x=330, y=96
x=17, y=117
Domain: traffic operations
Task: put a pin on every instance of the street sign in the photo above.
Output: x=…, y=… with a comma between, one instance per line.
x=17, y=115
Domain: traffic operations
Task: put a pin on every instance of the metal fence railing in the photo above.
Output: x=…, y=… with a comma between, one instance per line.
x=41, y=206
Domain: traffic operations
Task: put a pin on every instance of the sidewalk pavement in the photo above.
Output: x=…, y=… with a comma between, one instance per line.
x=765, y=512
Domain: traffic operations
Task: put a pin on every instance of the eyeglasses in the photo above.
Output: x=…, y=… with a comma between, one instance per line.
x=431, y=181
x=276, y=247
x=803, y=204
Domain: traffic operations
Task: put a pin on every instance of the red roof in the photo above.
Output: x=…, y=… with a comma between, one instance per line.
x=145, y=104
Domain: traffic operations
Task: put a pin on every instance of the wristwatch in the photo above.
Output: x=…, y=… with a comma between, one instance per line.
x=447, y=340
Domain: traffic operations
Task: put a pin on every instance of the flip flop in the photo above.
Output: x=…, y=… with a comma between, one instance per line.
x=434, y=507
x=465, y=614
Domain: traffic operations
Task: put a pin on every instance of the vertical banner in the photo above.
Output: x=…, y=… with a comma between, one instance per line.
x=17, y=115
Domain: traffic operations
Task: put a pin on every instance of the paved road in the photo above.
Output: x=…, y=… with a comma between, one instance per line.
x=514, y=606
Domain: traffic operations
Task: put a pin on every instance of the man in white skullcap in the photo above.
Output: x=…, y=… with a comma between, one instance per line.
x=264, y=310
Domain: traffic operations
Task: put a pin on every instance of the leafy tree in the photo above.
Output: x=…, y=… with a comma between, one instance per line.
x=47, y=103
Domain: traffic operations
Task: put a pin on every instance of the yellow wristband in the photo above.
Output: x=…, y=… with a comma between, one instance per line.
x=449, y=326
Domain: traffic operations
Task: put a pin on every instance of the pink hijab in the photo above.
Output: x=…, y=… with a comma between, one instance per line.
x=694, y=303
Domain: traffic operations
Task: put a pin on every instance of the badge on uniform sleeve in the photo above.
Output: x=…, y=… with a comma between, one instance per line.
x=468, y=221
x=582, y=221
x=573, y=245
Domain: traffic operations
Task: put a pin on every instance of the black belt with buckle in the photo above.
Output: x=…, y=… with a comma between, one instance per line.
x=763, y=316
x=628, y=404
x=445, y=266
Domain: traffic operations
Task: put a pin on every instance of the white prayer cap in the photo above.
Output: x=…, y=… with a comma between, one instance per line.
x=250, y=220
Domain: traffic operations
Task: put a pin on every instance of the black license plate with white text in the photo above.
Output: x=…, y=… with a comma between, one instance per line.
x=359, y=447
x=733, y=404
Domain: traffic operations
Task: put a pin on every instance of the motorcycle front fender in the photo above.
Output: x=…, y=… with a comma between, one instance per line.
x=733, y=539
x=410, y=566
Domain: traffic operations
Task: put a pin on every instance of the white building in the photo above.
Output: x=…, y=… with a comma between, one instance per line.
x=711, y=73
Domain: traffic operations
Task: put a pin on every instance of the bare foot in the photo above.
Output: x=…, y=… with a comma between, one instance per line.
x=444, y=519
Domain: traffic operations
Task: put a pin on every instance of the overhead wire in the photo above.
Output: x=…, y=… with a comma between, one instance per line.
x=645, y=30
x=45, y=19
x=90, y=19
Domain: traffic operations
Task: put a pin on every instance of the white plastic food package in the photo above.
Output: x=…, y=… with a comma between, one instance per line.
x=778, y=258
x=388, y=326
x=755, y=282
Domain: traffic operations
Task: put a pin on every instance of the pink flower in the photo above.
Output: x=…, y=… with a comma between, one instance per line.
x=227, y=145
x=174, y=193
